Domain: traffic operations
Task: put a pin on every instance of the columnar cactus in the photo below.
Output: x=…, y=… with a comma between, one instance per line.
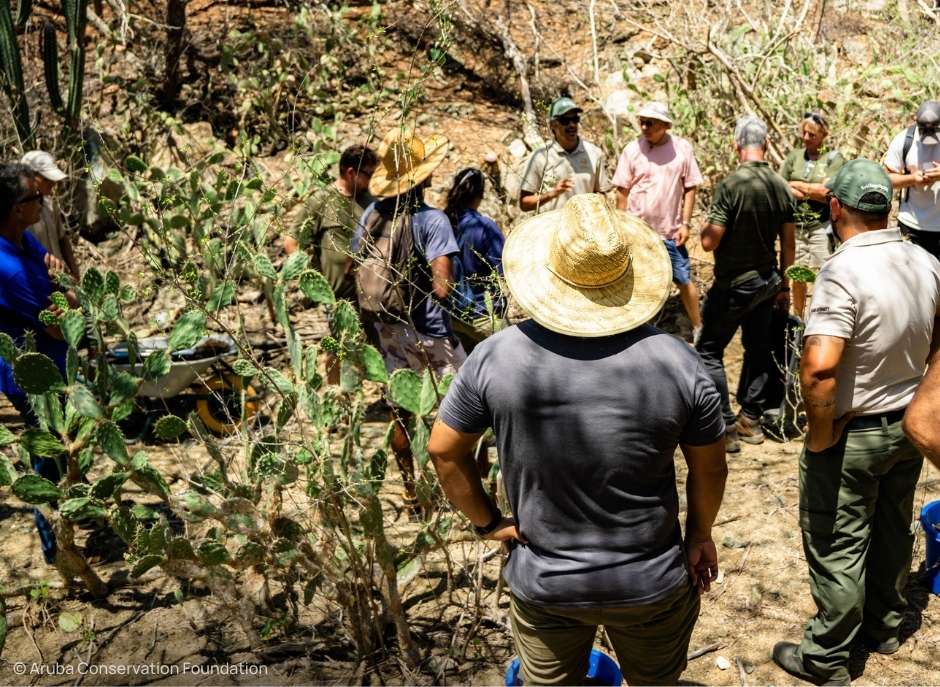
x=12, y=68
x=76, y=13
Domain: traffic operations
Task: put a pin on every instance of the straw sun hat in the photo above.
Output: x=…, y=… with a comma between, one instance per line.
x=587, y=269
x=405, y=161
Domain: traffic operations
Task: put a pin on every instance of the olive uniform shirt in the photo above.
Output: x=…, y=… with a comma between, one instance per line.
x=880, y=294
x=811, y=215
x=585, y=166
x=327, y=223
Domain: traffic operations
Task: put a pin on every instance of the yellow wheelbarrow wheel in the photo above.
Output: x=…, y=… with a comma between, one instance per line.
x=220, y=405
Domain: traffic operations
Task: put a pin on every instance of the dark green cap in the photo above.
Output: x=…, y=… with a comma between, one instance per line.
x=562, y=106
x=856, y=179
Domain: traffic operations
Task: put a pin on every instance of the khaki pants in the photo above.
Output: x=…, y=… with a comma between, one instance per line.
x=651, y=641
x=856, y=505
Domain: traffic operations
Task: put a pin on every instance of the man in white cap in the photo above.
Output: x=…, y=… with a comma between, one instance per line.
x=913, y=163
x=51, y=230
x=588, y=404
x=567, y=166
x=656, y=179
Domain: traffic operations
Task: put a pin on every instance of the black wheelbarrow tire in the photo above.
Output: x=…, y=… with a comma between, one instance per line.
x=224, y=418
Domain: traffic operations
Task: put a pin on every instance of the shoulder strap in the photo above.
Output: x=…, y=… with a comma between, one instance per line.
x=905, y=149
x=908, y=143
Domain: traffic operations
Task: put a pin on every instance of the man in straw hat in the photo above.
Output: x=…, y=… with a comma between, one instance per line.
x=421, y=337
x=565, y=167
x=870, y=332
x=588, y=404
x=656, y=179
x=751, y=210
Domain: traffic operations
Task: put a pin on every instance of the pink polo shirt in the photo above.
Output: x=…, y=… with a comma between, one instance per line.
x=657, y=177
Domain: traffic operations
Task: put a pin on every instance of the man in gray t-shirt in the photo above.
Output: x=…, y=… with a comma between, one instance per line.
x=586, y=430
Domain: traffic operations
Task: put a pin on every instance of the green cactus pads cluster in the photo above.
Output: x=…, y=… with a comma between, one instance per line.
x=35, y=373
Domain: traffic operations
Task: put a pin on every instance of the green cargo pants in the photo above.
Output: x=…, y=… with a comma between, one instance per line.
x=651, y=641
x=856, y=505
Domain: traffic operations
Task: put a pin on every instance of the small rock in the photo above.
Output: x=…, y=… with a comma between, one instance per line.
x=722, y=663
x=518, y=148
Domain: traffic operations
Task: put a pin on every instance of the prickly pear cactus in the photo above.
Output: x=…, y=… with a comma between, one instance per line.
x=35, y=373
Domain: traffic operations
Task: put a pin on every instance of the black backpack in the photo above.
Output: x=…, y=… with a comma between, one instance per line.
x=905, y=149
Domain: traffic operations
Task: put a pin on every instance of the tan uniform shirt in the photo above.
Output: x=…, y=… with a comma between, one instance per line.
x=50, y=231
x=880, y=294
x=584, y=166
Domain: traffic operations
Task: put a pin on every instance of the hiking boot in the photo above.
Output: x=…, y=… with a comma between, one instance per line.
x=784, y=655
x=749, y=431
x=731, y=441
x=887, y=647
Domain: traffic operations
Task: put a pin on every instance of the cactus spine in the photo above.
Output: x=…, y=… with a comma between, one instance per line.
x=12, y=68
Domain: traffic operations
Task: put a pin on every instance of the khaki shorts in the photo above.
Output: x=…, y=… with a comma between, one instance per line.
x=812, y=248
x=651, y=641
x=404, y=348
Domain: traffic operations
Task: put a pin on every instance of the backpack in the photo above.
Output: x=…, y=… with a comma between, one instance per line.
x=383, y=279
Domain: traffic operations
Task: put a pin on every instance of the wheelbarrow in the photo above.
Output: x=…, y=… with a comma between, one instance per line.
x=200, y=379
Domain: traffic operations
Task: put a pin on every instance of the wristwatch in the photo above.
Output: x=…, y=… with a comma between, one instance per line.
x=490, y=526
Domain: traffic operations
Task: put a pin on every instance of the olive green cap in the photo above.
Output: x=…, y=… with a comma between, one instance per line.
x=562, y=106
x=858, y=178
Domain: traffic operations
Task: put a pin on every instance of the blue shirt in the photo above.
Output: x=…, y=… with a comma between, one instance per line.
x=481, y=254
x=24, y=293
x=433, y=238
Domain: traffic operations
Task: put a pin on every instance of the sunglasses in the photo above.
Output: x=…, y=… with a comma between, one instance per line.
x=29, y=199
x=648, y=122
x=565, y=121
x=816, y=117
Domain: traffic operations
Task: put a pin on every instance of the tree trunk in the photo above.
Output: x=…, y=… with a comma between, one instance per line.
x=175, y=33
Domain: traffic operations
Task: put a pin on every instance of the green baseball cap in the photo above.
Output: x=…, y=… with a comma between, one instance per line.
x=856, y=179
x=562, y=106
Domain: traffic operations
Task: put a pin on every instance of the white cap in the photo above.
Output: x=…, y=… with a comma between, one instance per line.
x=654, y=110
x=44, y=164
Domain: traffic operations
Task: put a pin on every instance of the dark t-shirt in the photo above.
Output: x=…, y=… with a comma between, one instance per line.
x=433, y=238
x=752, y=204
x=586, y=431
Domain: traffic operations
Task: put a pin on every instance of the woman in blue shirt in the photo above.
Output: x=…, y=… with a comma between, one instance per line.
x=479, y=265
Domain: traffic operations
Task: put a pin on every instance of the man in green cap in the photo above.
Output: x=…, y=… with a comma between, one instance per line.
x=870, y=331
x=565, y=167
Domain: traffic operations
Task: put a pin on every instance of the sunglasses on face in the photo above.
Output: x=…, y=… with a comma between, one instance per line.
x=29, y=199
x=815, y=117
x=648, y=122
x=565, y=121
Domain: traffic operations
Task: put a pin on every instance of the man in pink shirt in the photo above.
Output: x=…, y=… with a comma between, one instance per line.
x=656, y=180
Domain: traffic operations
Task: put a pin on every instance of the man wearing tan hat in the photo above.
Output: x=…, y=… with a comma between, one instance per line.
x=565, y=167
x=50, y=230
x=656, y=180
x=407, y=307
x=588, y=404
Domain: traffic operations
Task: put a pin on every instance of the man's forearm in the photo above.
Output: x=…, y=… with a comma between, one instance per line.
x=704, y=491
x=461, y=483
x=623, y=196
x=532, y=201
x=904, y=180
x=819, y=399
x=920, y=422
x=688, y=206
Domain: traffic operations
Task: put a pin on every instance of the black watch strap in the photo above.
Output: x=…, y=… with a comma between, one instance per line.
x=489, y=527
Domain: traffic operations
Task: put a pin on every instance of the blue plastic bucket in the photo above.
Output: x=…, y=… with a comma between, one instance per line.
x=930, y=516
x=602, y=670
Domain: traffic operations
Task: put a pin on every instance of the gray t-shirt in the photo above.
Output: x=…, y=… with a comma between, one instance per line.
x=433, y=238
x=586, y=431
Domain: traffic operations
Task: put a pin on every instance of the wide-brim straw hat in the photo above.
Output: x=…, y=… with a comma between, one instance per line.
x=405, y=161
x=587, y=270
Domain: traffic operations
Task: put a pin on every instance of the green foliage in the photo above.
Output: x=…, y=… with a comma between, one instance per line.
x=801, y=274
x=35, y=373
x=315, y=287
x=170, y=427
x=36, y=489
x=190, y=328
x=41, y=443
